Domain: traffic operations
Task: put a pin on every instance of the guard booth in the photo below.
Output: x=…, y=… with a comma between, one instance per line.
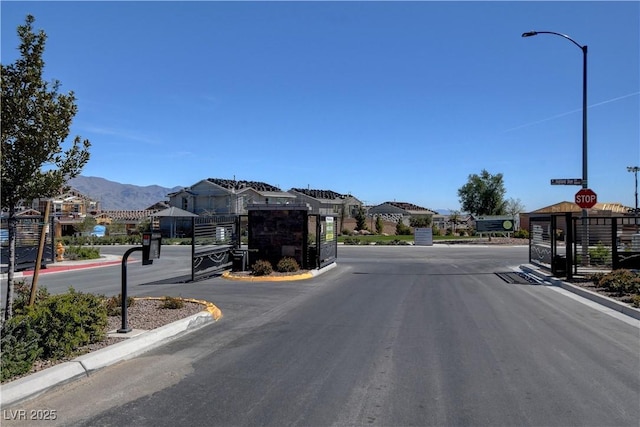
x=278, y=231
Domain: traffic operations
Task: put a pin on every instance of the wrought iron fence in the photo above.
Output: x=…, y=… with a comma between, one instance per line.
x=568, y=245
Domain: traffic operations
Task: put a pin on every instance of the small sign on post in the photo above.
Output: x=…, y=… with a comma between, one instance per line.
x=567, y=181
x=586, y=198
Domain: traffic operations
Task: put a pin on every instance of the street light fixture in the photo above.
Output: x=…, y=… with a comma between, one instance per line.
x=585, y=226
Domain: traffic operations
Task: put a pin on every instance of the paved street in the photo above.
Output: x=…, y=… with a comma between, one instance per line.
x=392, y=336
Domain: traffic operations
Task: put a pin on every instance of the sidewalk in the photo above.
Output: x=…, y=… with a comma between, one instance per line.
x=584, y=293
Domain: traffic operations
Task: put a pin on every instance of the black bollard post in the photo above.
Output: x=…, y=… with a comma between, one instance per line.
x=125, y=324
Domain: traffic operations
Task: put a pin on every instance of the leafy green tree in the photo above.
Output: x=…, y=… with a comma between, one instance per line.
x=379, y=225
x=35, y=123
x=420, y=221
x=86, y=226
x=483, y=194
x=361, y=219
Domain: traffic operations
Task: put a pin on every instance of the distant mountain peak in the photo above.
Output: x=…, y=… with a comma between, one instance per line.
x=116, y=196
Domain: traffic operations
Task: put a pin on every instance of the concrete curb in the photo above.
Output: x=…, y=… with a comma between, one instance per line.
x=60, y=266
x=303, y=276
x=34, y=385
x=585, y=293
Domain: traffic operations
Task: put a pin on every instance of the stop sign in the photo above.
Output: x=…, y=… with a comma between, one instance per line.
x=586, y=198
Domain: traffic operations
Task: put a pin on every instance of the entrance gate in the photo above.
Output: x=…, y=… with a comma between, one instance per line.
x=28, y=231
x=610, y=243
x=214, y=240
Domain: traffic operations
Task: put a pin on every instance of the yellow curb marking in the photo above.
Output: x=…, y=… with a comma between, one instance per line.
x=215, y=312
x=227, y=275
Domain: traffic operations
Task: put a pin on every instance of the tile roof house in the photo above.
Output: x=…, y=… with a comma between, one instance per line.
x=214, y=196
x=327, y=202
x=395, y=211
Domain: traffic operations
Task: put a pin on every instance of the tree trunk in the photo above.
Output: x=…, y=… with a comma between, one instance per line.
x=11, y=262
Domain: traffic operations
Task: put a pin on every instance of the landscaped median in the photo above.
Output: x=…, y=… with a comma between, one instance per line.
x=125, y=348
x=248, y=277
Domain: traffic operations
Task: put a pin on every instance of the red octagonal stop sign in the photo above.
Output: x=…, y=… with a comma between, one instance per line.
x=586, y=198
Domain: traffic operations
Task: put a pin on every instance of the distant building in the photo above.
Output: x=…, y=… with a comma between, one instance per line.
x=327, y=202
x=214, y=196
x=399, y=211
x=600, y=209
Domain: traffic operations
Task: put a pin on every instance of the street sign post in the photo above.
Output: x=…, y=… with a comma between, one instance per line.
x=586, y=198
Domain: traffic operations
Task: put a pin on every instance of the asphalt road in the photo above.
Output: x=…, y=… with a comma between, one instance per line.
x=392, y=336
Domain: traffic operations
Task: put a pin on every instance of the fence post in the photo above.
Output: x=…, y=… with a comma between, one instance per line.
x=614, y=243
x=568, y=218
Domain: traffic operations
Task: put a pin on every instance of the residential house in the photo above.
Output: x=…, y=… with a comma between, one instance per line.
x=213, y=196
x=399, y=211
x=327, y=202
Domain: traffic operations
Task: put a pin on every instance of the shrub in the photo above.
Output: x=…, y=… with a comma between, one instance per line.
x=262, y=268
x=22, y=293
x=68, y=321
x=19, y=342
x=82, y=252
x=287, y=265
x=402, y=229
x=521, y=234
x=600, y=255
x=114, y=304
x=352, y=241
x=621, y=282
x=172, y=303
x=635, y=300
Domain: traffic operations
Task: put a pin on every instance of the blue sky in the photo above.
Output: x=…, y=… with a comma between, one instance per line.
x=384, y=100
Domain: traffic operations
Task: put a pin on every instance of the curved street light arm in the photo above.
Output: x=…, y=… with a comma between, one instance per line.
x=535, y=33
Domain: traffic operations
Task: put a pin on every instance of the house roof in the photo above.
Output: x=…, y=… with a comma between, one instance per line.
x=410, y=207
x=174, y=212
x=566, y=206
x=232, y=184
x=320, y=194
x=125, y=215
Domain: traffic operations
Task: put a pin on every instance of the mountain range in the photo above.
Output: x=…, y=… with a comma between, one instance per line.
x=116, y=196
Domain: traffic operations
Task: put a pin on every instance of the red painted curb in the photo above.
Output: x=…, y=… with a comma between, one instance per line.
x=55, y=268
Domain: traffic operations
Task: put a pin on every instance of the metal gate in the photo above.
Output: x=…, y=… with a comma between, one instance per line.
x=214, y=240
x=567, y=245
x=28, y=231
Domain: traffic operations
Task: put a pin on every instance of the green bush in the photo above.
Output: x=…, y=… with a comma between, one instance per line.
x=82, y=252
x=22, y=293
x=621, y=282
x=172, y=303
x=394, y=242
x=521, y=234
x=68, y=321
x=402, y=229
x=287, y=265
x=352, y=241
x=600, y=255
x=114, y=304
x=262, y=268
x=20, y=346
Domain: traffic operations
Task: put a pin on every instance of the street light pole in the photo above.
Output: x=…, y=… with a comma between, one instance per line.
x=585, y=213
